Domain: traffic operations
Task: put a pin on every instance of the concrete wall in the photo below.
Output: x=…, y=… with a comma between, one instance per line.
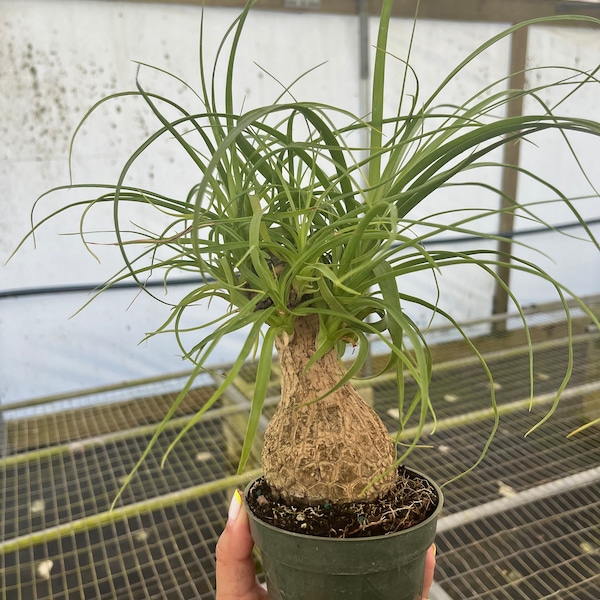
x=58, y=57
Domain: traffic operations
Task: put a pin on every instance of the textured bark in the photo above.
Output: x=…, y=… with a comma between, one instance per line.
x=328, y=450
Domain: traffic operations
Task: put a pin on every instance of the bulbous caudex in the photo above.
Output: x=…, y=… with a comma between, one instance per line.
x=329, y=450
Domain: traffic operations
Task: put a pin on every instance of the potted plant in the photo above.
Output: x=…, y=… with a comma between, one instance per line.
x=307, y=236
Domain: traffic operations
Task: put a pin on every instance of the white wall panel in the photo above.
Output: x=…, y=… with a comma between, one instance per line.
x=58, y=57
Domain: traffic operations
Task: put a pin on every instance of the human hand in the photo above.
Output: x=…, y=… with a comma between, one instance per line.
x=236, y=577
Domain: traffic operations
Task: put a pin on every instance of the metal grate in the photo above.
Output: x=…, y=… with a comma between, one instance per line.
x=513, y=463
x=58, y=538
x=65, y=462
x=163, y=554
x=547, y=549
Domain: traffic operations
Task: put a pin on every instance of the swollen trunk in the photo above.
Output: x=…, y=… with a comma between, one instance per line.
x=329, y=450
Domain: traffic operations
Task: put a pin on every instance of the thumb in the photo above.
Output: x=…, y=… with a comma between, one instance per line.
x=429, y=571
x=235, y=566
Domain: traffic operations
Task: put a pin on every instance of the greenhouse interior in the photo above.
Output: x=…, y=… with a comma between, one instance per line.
x=115, y=483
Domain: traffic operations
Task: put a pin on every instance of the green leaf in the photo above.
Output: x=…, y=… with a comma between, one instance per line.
x=263, y=374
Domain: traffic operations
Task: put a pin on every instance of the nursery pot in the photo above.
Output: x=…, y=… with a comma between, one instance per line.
x=304, y=567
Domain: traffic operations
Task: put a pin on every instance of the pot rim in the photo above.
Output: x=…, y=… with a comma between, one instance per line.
x=433, y=516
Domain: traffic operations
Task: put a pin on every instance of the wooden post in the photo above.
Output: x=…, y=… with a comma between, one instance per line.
x=518, y=56
x=591, y=401
x=3, y=438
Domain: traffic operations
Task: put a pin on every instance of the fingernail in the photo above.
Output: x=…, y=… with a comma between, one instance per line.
x=234, y=507
x=434, y=549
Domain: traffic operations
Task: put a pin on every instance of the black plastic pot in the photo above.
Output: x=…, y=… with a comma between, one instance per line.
x=303, y=567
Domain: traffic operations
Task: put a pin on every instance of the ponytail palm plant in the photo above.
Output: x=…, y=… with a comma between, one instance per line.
x=308, y=238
